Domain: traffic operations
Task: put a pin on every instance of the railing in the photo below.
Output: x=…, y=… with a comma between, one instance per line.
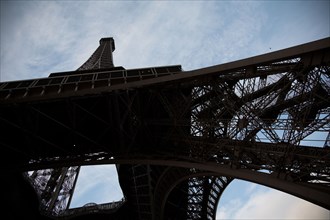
x=21, y=90
x=90, y=208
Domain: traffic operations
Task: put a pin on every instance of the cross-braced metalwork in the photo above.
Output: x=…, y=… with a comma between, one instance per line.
x=178, y=138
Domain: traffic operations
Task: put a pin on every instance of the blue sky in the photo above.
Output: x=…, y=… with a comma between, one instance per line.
x=41, y=37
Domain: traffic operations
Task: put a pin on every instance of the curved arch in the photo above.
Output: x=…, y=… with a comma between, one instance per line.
x=217, y=186
x=172, y=177
x=319, y=195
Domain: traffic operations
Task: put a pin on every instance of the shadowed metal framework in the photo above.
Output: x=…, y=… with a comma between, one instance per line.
x=178, y=138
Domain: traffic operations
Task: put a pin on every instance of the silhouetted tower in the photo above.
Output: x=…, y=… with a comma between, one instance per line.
x=178, y=138
x=102, y=57
x=56, y=186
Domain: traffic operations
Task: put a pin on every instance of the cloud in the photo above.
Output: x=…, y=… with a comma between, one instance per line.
x=200, y=35
x=38, y=44
x=60, y=36
x=39, y=37
x=265, y=203
x=97, y=184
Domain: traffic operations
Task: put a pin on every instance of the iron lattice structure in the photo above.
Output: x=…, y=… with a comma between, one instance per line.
x=178, y=138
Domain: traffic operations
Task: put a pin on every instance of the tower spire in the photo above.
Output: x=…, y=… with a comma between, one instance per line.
x=102, y=57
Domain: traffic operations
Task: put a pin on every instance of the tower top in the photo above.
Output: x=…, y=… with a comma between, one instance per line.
x=102, y=57
x=108, y=40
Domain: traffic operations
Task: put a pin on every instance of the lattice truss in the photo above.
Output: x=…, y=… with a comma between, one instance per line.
x=271, y=118
x=282, y=102
x=281, y=105
x=188, y=194
x=102, y=56
x=203, y=196
x=54, y=187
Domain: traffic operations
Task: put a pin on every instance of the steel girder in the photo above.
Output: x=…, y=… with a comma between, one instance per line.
x=102, y=57
x=247, y=119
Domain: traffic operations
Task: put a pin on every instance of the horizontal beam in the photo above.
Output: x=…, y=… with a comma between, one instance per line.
x=303, y=191
x=89, y=87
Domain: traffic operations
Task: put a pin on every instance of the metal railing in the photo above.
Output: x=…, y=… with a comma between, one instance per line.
x=21, y=90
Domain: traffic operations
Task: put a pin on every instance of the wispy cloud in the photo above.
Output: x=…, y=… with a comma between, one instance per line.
x=265, y=203
x=40, y=37
x=98, y=184
x=38, y=44
x=194, y=35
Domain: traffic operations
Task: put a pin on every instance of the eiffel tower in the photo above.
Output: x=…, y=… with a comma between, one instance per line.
x=178, y=138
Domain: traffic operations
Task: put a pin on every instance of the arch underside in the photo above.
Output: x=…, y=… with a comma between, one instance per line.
x=165, y=192
x=193, y=195
x=264, y=120
x=309, y=188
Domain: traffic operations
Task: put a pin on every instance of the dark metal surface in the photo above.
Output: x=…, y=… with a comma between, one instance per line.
x=178, y=138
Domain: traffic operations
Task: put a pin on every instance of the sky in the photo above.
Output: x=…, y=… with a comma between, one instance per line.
x=41, y=37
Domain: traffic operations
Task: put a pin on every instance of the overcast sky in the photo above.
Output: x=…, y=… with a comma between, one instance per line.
x=41, y=37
